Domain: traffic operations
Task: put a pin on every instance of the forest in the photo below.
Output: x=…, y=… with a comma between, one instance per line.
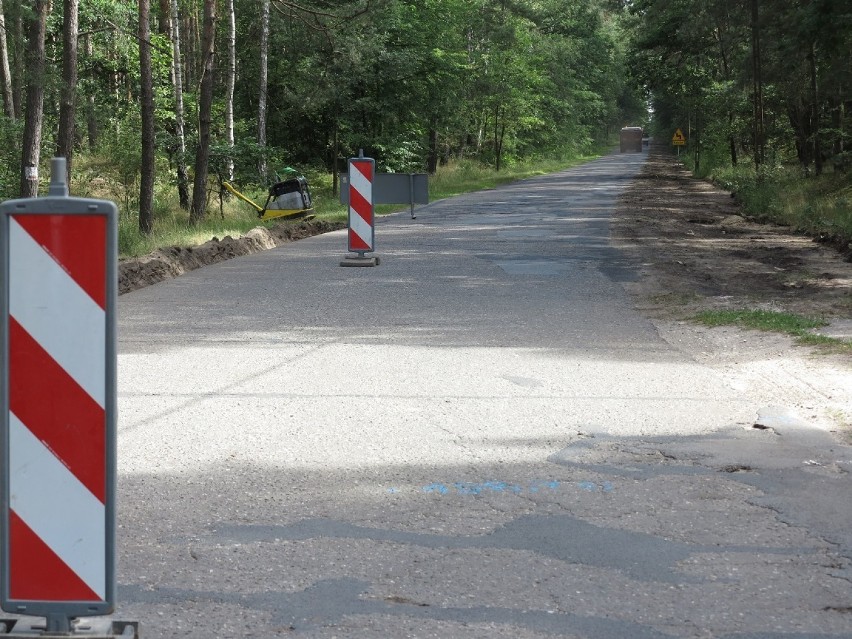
x=763, y=90
x=156, y=102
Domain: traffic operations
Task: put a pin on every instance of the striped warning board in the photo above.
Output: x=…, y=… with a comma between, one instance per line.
x=362, y=231
x=58, y=406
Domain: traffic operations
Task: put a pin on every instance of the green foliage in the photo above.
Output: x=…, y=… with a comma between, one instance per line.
x=782, y=101
x=10, y=157
x=117, y=160
x=757, y=190
x=696, y=59
x=819, y=206
x=490, y=80
x=415, y=83
x=400, y=156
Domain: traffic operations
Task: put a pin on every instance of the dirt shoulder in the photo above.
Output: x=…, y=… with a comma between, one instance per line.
x=698, y=252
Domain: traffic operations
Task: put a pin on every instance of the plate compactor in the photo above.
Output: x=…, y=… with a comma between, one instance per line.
x=290, y=198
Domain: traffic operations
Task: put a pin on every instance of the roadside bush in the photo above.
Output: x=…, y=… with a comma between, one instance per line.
x=818, y=206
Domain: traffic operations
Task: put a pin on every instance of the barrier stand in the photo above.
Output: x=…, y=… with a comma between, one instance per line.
x=362, y=229
x=83, y=629
x=58, y=257
x=361, y=194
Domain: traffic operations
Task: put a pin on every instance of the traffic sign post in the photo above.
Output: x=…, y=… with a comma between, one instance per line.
x=678, y=140
x=58, y=256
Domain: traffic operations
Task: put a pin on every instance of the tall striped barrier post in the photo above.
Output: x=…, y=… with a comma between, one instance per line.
x=58, y=256
x=362, y=227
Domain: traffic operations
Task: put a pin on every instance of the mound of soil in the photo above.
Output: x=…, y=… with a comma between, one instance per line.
x=135, y=273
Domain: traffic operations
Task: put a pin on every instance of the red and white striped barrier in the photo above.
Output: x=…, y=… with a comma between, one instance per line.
x=56, y=404
x=362, y=230
x=59, y=407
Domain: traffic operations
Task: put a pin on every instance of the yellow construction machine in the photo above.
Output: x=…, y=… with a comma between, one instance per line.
x=289, y=199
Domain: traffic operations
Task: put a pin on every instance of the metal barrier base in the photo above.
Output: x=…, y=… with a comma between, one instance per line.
x=84, y=629
x=360, y=261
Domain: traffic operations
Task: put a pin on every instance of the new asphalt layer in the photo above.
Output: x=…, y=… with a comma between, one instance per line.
x=478, y=437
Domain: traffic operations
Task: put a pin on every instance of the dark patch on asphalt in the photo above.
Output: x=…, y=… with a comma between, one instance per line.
x=329, y=601
x=641, y=556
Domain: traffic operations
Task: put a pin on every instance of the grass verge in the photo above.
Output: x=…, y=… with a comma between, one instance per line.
x=773, y=321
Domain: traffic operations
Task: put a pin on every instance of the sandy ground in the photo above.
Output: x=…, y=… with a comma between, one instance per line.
x=697, y=252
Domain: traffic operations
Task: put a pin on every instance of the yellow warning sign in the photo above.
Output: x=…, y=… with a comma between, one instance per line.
x=678, y=139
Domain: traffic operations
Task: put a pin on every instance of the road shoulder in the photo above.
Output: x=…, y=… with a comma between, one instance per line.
x=698, y=252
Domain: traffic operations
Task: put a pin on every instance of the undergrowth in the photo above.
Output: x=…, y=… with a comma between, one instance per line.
x=819, y=206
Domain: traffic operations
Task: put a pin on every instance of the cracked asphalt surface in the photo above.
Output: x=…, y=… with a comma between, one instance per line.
x=481, y=437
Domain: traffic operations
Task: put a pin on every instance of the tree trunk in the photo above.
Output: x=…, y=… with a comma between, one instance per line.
x=264, y=81
x=726, y=74
x=91, y=109
x=19, y=65
x=164, y=24
x=230, y=85
x=815, y=110
x=335, y=155
x=177, y=77
x=499, y=132
x=432, y=159
x=838, y=121
x=31, y=152
x=499, y=148
x=5, y=71
x=696, y=140
x=189, y=39
x=68, y=106
x=114, y=79
x=732, y=145
x=799, y=114
x=202, y=154
x=146, y=98
x=757, y=80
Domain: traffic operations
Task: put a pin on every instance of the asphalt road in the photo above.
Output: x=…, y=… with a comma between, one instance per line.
x=478, y=438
